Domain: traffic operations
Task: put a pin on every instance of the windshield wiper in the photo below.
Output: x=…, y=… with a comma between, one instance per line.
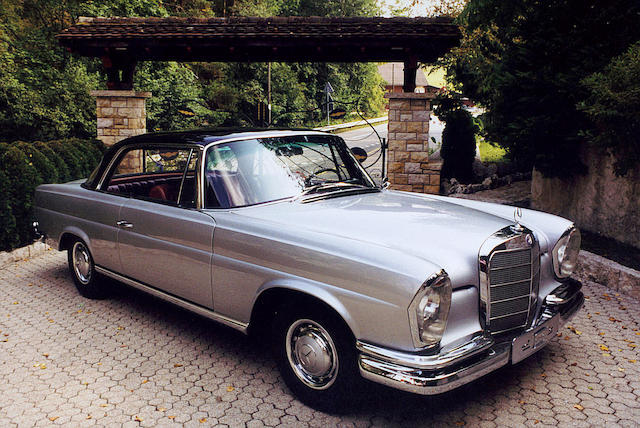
x=330, y=187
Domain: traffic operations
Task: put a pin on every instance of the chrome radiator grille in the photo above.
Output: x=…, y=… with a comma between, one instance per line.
x=509, y=289
x=509, y=276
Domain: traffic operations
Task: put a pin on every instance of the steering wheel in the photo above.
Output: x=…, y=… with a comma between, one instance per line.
x=321, y=171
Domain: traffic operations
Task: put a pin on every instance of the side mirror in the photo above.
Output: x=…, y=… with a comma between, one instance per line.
x=359, y=153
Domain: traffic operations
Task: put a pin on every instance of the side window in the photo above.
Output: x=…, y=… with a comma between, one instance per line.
x=165, y=175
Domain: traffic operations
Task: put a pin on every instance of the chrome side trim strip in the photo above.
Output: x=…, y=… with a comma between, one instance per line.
x=445, y=358
x=207, y=313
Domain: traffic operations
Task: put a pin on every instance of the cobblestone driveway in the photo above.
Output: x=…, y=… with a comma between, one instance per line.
x=134, y=361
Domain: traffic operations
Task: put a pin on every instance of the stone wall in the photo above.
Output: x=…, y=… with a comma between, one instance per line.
x=408, y=165
x=599, y=202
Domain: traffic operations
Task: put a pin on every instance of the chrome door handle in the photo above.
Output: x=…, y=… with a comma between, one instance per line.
x=124, y=224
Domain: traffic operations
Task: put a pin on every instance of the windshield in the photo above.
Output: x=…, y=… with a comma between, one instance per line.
x=261, y=170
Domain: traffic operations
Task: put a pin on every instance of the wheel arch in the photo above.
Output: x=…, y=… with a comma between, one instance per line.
x=70, y=235
x=272, y=299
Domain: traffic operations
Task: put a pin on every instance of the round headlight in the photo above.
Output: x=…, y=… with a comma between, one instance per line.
x=429, y=310
x=565, y=253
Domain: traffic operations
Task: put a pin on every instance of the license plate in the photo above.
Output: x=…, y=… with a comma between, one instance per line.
x=534, y=339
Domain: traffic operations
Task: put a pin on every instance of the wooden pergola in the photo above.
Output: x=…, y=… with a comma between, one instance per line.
x=122, y=42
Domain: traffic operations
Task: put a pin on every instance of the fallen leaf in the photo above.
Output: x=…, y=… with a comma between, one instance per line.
x=104, y=405
x=230, y=388
x=573, y=329
x=171, y=417
x=177, y=365
x=590, y=387
x=460, y=423
x=543, y=375
x=579, y=407
x=606, y=354
x=633, y=361
x=88, y=416
x=203, y=420
x=522, y=402
x=603, y=348
x=145, y=381
x=536, y=422
x=50, y=320
x=53, y=418
x=120, y=328
x=620, y=369
x=43, y=366
x=601, y=333
x=574, y=364
x=161, y=409
x=45, y=355
x=138, y=419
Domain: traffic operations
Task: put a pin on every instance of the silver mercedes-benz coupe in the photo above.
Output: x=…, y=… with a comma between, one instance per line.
x=284, y=234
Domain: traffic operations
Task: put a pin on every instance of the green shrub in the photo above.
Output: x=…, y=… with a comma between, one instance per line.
x=458, y=146
x=59, y=164
x=24, y=166
x=24, y=179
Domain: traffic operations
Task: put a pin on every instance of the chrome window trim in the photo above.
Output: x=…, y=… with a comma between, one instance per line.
x=513, y=239
x=156, y=144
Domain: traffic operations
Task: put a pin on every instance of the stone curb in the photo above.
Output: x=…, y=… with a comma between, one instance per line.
x=23, y=253
x=598, y=269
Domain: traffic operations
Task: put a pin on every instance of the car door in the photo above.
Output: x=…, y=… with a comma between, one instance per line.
x=164, y=241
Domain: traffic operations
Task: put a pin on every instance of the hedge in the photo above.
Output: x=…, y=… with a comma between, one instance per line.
x=26, y=165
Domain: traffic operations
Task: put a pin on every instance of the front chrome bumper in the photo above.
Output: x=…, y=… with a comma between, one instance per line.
x=463, y=363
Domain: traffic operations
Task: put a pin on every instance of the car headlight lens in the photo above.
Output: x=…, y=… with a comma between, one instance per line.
x=565, y=253
x=429, y=310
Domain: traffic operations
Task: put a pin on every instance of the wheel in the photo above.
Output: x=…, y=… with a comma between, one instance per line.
x=317, y=358
x=83, y=272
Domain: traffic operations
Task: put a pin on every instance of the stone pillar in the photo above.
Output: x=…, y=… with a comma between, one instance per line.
x=408, y=166
x=120, y=114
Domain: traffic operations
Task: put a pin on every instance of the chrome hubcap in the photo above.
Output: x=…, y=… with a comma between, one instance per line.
x=81, y=262
x=312, y=354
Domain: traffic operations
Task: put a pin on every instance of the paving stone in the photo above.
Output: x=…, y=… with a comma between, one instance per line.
x=131, y=357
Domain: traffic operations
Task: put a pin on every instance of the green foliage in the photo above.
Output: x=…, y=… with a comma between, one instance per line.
x=525, y=60
x=458, y=138
x=490, y=152
x=24, y=166
x=613, y=104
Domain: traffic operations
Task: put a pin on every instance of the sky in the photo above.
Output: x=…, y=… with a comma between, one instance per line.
x=417, y=7
x=421, y=7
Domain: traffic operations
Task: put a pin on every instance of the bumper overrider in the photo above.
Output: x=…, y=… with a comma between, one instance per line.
x=476, y=357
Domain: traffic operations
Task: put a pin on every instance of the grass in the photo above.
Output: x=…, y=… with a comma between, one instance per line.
x=490, y=153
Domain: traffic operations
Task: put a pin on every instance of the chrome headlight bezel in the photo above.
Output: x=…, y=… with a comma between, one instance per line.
x=565, y=253
x=428, y=318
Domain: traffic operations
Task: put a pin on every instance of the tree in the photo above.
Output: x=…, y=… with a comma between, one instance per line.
x=458, y=138
x=524, y=60
x=613, y=106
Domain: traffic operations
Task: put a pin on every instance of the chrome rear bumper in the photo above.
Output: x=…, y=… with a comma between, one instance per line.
x=461, y=364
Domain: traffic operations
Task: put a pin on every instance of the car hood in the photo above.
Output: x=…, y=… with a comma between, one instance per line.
x=440, y=232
